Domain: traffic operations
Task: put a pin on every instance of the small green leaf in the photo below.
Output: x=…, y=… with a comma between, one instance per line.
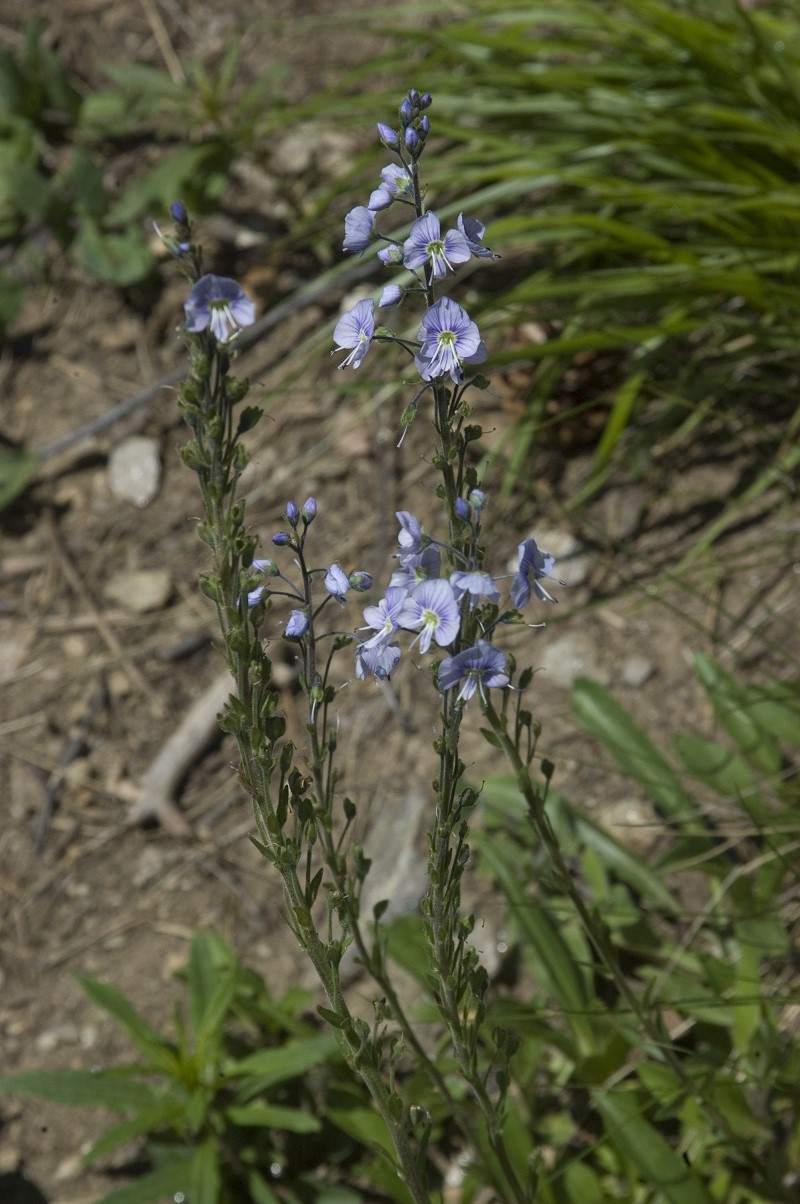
x=646, y=1150
x=156, y=1186
x=112, y=1089
x=204, y=1173
x=730, y=704
x=290, y=1060
x=272, y=1116
x=16, y=465
x=608, y=722
x=555, y=963
x=160, y=1052
x=120, y=259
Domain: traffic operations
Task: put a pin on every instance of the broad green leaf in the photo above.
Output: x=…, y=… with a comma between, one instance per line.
x=646, y=1150
x=164, y=1114
x=408, y=946
x=120, y=259
x=270, y=1066
x=363, y=1125
x=730, y=704
x=204, y=1173
x=210, y=961
x=775, y=710
x=260, y=1191
x=747, y=998
x=608, y=722
x=211, y=1029
x=159, y=1051
x=553, y=960
x=272, y=1116
x=723, y=770
x=576, y=831
x=112, y=1089
x=156, y=1186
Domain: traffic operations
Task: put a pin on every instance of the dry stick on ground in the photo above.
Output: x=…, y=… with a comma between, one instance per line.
x=156, y=799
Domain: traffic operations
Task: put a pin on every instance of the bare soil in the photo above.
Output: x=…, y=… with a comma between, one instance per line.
x=84, y=892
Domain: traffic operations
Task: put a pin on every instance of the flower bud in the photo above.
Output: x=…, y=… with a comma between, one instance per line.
x=462, y=509
x=387, y=134
x=413, y=96
x=406, y=113
x=292, y=514
x=424, y=126
x=360, y=581
x=411, y=138
x=178, y=213
x=425, y=100
x=296, y=625
x=309, y=509
x=281, y=539
x=478, y=500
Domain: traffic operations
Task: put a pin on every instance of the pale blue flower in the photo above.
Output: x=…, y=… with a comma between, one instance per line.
x=296, y=625
x=358, y=226
x=384, y=619
x=410, y=537
x=391, y=295
x=533, y=565
x=449, y=340
x=260, y=594
x=477, y=585
x=431, y=609
x=379, y=660
x=478, y=668
x=395, y=185
x=354, y=332
x=336, y=581
x=219, y=304
x=417, y=567
x=473, y=232
x=426, y=245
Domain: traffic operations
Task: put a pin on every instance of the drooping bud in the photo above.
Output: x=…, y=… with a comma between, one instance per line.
x=387, y=134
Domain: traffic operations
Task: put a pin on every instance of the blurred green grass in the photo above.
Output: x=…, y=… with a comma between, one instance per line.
x=640, y=160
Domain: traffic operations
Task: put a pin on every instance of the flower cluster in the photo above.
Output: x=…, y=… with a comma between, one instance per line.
x=448, y=341
x=273, y=583
x=442, y=610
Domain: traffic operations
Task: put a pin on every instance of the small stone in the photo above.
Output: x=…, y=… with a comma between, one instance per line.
x=59, y=1034
x=637, y=670
x=568, y=658
x=134, y=470
x=620, y=511
x=140, y=590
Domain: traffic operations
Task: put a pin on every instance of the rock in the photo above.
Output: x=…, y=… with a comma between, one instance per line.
x=140, y=590
x=569, y=657
x=637, y=670
x=620, y=511
x=134, y=470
